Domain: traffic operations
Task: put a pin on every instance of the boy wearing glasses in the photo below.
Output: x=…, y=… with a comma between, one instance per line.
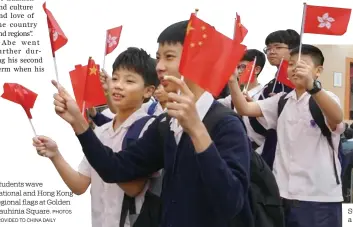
x=278, y=46
x=253, y=93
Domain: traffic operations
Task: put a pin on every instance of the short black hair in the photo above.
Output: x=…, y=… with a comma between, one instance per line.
x=260, y=57
x=139, y=61
x=174, y=33
x=312, y=51
x=289, y=37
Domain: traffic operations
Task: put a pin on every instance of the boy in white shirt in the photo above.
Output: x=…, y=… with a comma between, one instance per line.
x=133, y=81
x=306, y=167
x=254, y=92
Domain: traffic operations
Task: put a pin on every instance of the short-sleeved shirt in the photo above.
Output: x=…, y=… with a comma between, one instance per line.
x=303, y=164
x=106, y=199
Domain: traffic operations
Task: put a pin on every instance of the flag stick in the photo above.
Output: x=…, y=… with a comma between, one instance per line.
x=234, y=31
x=34, y=131
x=56, y=69
x=274, y=85
x=302, y=31
x=105, y=49
x=251, y=75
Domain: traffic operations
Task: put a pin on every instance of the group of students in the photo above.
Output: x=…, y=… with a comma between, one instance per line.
x=176, y=159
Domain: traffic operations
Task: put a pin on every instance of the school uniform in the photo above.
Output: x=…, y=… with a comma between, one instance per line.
x=257, y=139
x=107, y=113
x=199, y=189
x=152, y=107
x=303, y=163
x=269, y=146
x=106, y=199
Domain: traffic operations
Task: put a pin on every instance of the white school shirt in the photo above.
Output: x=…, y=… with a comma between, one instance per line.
x=106, y=199
x=203, y=104
x=303, y=164
x=255, y=94
x=145, y=107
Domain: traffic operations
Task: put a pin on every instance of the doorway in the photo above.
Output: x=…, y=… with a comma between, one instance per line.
x=348, y=107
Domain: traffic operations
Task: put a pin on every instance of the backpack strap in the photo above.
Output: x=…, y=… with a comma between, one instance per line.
x=216, y=113
x=134, y=130
x=319, y=119
x=258, y=128
x=133, y=133
x=281, y=103
x=152, y=108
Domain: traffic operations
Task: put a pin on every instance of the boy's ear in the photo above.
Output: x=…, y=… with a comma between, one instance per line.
x=257, y=70
x=149, y=90
x=318, y=71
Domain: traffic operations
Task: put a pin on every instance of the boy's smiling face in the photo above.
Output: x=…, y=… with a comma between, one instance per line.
x=168, y=60
x=127, y=89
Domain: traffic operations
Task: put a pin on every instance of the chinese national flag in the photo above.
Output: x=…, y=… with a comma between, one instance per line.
x=240, y=30
x=326, y=20
x=18, y=94
x=94, y=94
x=57, y=36
x=247, y=76
x=78, y=81
x=282, y=75
x=113, y=37
x=209, y=57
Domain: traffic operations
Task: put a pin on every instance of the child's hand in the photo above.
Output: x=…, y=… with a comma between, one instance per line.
x=66, y=107
x=92, y=112
x=104, y=78
x=45, y=146
x=247, y=97
x=234, y=77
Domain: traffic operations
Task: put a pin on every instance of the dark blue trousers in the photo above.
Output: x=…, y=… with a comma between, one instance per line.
x=312, y=214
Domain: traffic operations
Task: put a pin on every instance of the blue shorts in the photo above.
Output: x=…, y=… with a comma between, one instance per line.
x=312, y=214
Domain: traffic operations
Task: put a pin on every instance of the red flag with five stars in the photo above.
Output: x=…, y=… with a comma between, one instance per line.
x=247, y=76
x=209, y=57
x=94, y=94
x=282, y=74
x=240, y=30
x=78, y=81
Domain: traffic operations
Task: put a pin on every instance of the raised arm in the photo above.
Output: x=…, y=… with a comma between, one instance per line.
x=139, y=160
x=243, y=107
x=75, y=181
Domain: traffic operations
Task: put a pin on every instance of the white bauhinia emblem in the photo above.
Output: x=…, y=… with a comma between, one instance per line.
x=54, y=34
x=111, y=40
x=325, y=21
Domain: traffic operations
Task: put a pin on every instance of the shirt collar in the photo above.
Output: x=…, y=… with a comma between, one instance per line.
x=293, y=95
x=255, y=90
x=127, y=123
x=203, y=104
